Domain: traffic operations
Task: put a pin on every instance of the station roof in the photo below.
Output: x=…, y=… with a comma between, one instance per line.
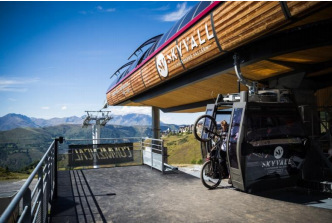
x=152, y=44
x=297, y=54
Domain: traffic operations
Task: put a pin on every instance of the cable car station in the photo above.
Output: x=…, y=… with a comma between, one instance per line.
x=263, y=65
x=261, y=72
x=271, y=59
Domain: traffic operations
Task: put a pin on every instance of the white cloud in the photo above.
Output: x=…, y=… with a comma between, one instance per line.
x=123, y=110
x=98, y=9
x=12, y=89
x=178, y=14
x=64, y=108
x=101, y=9
x=16, y=84
x=170, y=118
x=180, y=118
x=45, y=108
x=12, y=99
x=162, y=8
x=110, y=10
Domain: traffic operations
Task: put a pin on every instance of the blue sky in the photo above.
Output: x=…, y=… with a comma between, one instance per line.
x=56, y=58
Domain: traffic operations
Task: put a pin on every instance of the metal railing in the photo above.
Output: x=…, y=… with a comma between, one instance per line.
x=153, y=153
x=32, y=202
x=78, y=153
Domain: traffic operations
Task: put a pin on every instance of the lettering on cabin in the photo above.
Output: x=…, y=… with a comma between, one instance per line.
x=278, y=166
x=273, y=163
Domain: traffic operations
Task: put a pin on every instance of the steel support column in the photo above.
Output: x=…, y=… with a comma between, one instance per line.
x=155, y=123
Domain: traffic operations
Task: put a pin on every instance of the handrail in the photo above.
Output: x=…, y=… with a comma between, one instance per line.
x=154, y=147
x=25, y=192
x=103, y=139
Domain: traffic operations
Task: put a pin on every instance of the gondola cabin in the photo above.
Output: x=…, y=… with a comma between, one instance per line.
x=266, y=142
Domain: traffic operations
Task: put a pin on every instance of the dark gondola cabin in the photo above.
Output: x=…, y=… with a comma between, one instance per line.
x=266, y=143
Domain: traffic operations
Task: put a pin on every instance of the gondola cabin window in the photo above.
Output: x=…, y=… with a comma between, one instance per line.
x=207, y=124
x=234, y=136
x=270, y=123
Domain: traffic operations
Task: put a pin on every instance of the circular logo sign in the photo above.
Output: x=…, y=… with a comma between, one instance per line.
x=162, y=65
x=278, y=152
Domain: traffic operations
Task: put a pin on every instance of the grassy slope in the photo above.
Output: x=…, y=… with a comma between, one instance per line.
x=183, y=149
x=6, y=175
x=21, y=147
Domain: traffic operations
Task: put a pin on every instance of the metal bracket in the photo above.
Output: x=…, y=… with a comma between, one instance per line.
x=252, y=85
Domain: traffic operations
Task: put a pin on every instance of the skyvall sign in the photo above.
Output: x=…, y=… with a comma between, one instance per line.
x=192, y=45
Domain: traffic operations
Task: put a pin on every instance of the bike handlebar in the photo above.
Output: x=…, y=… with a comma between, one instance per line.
x=209, y=131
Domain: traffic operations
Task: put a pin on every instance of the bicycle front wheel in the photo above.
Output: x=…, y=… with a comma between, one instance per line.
x=205, y=128
x=210, y=176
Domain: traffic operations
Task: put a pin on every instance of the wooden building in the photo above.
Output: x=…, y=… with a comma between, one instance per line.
x=281, y=44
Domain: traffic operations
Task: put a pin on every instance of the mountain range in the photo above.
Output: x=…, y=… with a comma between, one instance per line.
x=12, y=121
x=24, y=140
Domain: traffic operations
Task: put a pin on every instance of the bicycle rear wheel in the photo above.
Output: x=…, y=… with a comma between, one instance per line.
x=210, y=178
x=205, y=128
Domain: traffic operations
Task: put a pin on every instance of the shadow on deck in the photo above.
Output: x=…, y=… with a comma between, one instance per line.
x=139, y=194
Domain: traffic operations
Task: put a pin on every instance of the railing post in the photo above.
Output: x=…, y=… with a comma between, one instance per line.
x=142, y=153
x=40, y=188
x=52, y=170
x=27, y=205
x=56, y=144
x=162, y=156
x=46, y=187
x=51, y=179
x=151, y=153
x=55, y=193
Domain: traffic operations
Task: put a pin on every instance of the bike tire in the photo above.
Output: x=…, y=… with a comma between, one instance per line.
x=207, y=181
x=209, y=135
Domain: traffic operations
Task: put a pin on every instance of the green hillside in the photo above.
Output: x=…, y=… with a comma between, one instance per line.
x=183, y=149
x=22, y=146
x=5, y=174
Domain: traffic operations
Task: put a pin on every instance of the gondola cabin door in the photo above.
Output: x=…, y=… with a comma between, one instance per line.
x=235, y=138
x=206, y=146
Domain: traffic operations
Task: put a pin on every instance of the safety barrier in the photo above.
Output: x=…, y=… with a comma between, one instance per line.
x=31, y=203
x=153, y=153
x=110, y=152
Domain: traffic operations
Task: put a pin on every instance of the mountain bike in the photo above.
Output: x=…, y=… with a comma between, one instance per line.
x=215, y=168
